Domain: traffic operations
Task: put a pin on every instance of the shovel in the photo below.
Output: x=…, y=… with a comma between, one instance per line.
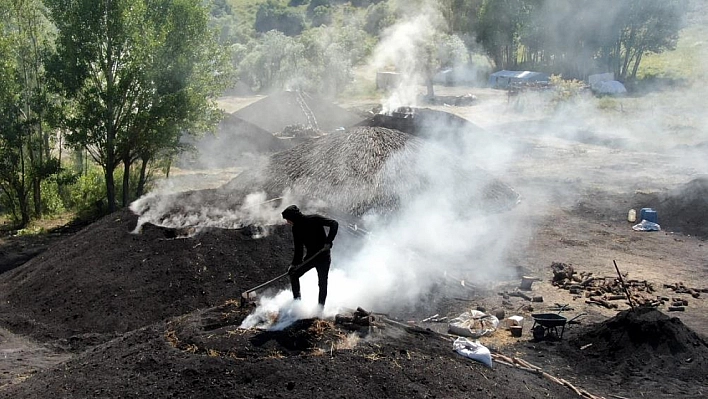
x=250, y=295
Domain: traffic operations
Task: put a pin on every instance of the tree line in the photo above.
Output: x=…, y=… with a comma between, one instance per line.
x=572, y=39
x=117, y=83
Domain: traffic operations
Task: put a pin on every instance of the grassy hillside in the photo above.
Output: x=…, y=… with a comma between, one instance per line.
x=689, y=59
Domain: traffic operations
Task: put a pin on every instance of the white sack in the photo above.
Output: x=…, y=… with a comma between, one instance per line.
x=473, y=324
x=473, y=350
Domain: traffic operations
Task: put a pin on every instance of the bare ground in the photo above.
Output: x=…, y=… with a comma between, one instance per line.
x=576, y=193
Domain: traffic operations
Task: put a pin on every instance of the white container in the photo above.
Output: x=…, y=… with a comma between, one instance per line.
x=632, y=216
x=514, y=321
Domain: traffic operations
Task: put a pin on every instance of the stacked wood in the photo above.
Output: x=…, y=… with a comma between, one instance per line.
x=603, y=290
x=680, y=288
x=562, y=272
x=359, y=320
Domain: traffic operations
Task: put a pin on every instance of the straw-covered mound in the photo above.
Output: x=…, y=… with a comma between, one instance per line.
x=374, y=169
x=642, y=343
x=279, y=110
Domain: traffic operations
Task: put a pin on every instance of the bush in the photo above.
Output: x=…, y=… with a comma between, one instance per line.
x=52, y=202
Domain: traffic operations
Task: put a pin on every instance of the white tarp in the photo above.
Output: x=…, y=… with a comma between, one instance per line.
x=473, y=324
x=646, y=225
x=600, y=77
x=609, y=87
x=473, y=350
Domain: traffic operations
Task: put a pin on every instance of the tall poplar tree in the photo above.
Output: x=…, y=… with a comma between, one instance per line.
x=140, y=73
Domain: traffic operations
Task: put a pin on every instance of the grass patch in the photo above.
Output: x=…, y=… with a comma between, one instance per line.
x=608, y=103
x=683, y=63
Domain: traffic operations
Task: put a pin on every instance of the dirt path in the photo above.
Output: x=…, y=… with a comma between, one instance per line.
x=20, y=358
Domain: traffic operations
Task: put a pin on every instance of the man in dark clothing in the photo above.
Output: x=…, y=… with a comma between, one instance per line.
x=308, y=231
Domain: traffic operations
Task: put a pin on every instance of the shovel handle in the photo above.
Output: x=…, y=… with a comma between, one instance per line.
x=306, y=261
x=246, y=294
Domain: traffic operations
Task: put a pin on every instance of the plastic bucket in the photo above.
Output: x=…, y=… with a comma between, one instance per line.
x=516, y=331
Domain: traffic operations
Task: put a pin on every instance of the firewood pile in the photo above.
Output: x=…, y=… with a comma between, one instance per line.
x=680, y=288
x=602, y=290
x=359, y=321
x=678, y=304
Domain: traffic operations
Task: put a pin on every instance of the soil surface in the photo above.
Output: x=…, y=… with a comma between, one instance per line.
x=109, y=312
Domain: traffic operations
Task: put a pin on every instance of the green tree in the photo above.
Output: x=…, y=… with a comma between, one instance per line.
x=31, y=35
x=379, y=16
x=498, y=30
x=24, y=138
x=136, y=70
x=330, y=65
x=442, y=51
x=14, y=185
x=460, y=15
x=322, y=15
x=272, y=15
x=275, y=60
x=651, y=26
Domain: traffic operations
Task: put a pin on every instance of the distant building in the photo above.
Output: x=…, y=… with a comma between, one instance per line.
x=503, y=79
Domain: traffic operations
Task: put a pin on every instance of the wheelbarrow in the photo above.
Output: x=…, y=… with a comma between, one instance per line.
x=550, y=325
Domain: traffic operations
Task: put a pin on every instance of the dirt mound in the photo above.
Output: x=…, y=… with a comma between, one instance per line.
x=234, y=140
x=645, y=333
x=427, y=123
x=642, y=342
x=685, y=209
x=205, y=355
x=279, y=110
x=105, y=279
x=215, y=331
x=373, y=169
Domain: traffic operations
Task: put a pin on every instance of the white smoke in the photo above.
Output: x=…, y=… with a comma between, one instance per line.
x=616, y=144
x=278, y=312
x=165, y=210
x=432, y=237
x=401, y=48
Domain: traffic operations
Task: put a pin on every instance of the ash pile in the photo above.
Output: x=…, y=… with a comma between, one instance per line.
x=685, y=208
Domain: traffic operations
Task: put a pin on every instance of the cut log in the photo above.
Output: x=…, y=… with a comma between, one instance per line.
x=601, y=302
x=521, y=295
